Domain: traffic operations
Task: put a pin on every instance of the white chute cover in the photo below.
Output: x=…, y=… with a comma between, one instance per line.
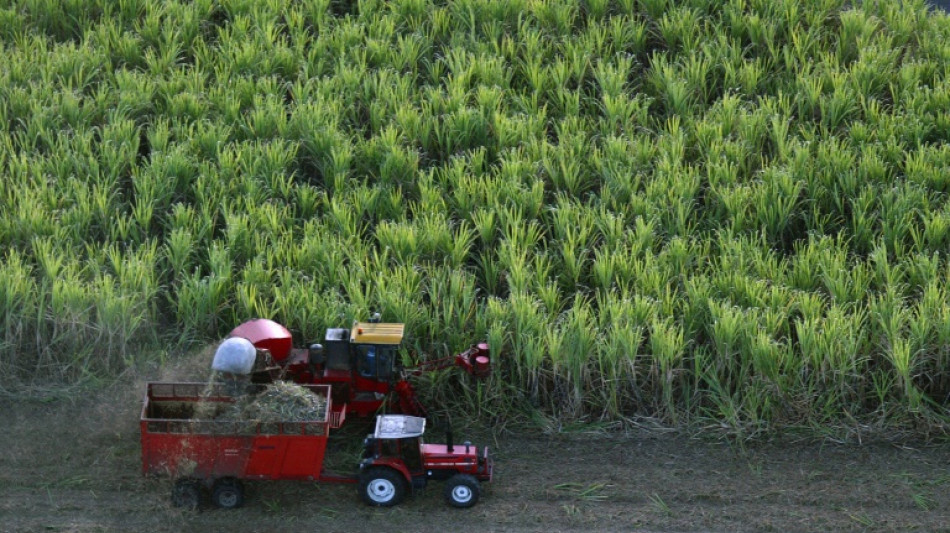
x=234, y=355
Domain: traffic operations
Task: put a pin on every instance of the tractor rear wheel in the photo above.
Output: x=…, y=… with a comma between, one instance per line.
x=228, y=493
x=186, y=493
x=382, y=487
x=461, y=491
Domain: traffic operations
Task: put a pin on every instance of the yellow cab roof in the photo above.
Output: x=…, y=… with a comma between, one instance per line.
x=376, y=333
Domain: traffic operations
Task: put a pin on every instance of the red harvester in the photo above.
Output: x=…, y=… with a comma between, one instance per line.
x=361, y=363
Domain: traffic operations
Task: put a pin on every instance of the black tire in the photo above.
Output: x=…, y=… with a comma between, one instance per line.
x=228, y=493
x=382, y=487
x=462, y=491
x=186, y=494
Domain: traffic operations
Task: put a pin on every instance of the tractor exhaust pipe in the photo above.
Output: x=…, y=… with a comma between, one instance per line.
x=449, y=447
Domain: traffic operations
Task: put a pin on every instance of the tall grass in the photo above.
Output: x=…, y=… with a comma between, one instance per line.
x=672, y=210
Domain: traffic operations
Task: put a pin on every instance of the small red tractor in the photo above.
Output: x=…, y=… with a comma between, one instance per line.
x=361, y=363
x=395, y=460
x=181, y=439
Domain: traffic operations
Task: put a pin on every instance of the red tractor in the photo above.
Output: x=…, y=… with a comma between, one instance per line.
x=361, y=363
x=395, y=460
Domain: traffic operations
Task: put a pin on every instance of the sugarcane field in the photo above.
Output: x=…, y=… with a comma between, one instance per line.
x=525, y=265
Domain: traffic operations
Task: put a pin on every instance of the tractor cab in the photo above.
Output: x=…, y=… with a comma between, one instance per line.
x=397, y=441
x=360, y=362
x=396, y=460
x=367, y=351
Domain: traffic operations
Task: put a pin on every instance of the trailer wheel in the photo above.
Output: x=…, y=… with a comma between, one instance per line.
x=382, y=487
x=462, y=491
x=186, y=494
x=228, y=493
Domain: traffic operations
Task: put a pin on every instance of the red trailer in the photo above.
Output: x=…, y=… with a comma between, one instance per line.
x=196, y=449
x=182, y=438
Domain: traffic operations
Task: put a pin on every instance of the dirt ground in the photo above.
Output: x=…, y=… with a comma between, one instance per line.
x=74, y=465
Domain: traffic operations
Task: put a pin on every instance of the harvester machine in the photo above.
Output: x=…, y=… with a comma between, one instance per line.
x=361, y=364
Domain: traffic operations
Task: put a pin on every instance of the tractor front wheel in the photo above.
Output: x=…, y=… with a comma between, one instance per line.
x=461, y=491
x=382, y=487
x=228, y=493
